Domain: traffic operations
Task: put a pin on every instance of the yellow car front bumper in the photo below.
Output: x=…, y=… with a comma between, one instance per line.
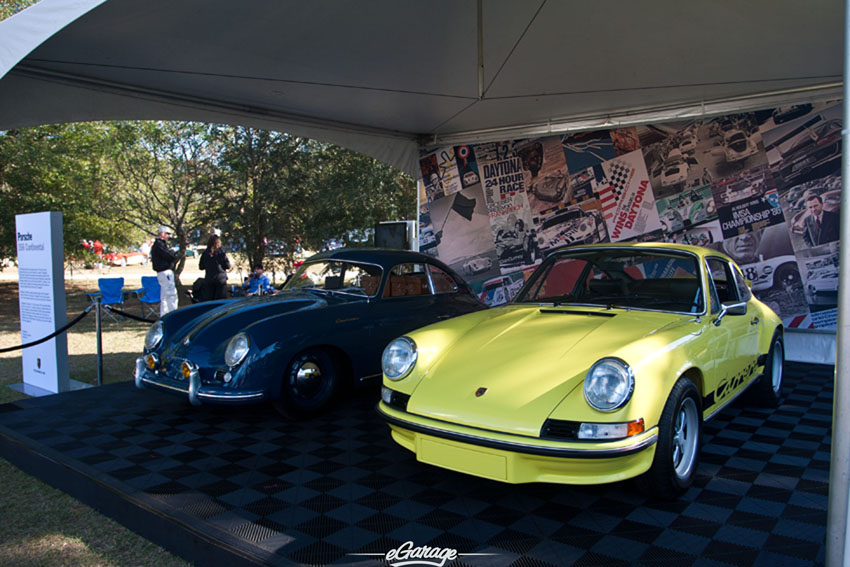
x=518, y=459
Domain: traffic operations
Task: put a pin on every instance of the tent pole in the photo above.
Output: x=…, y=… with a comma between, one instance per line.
x=480, y=49
x=418, y=205
x=839, y=470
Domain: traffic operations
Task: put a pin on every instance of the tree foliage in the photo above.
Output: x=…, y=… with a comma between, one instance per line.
x=269, y=192
x=167, y=171
x=355, y=192
x=64, y=168
x=263, y=192
x=9, y=7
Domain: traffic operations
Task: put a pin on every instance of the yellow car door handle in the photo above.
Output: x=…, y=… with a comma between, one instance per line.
x=755, y=321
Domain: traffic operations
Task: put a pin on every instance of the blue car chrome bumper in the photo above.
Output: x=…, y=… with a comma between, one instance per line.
x=193, y=388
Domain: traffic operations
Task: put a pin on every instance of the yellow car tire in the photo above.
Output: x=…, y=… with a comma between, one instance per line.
x=679, y=444
x=768, y=390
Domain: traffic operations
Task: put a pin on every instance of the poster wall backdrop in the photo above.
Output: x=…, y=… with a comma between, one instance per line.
x=763, y=187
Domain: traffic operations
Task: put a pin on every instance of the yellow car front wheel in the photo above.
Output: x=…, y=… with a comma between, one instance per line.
x=679, y=442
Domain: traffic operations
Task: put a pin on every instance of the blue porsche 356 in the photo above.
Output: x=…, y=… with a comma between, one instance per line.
x=327, y=328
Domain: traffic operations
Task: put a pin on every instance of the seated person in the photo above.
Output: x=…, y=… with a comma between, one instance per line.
x=258, y=283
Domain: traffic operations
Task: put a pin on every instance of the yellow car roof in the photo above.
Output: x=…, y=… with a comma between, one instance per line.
x=700, y=251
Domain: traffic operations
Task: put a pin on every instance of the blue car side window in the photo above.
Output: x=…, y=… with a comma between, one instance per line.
x=407, y=280
x=441, y=281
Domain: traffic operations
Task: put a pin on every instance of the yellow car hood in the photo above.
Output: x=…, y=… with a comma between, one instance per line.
x=528, y=359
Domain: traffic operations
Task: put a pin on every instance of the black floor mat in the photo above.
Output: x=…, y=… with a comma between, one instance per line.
x=231, y=485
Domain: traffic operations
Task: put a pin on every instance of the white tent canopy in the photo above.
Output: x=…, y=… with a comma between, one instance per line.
x=387, y=77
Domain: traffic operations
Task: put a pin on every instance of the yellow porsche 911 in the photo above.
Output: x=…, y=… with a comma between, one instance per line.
x=603, y=368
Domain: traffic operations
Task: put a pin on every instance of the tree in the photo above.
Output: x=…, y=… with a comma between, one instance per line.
x=9, y=7
x=355, y=192
x=167, y=171
x=63, y=168
x=263, y=190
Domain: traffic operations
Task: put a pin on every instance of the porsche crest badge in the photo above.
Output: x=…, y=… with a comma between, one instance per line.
x=480, y=392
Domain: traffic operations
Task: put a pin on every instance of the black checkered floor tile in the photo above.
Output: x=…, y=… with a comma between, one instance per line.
x=320, y=491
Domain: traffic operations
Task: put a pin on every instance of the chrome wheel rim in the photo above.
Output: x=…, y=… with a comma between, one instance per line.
x=685, y=438
x=308, y=379
x=776, y=367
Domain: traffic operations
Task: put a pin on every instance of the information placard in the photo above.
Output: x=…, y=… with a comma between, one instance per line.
x=41, y=292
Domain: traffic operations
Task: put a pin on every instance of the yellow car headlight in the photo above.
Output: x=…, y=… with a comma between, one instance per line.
x=399, y=358
x=609, y=384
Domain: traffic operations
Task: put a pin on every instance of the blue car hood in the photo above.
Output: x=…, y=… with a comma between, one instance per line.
x=211, y=330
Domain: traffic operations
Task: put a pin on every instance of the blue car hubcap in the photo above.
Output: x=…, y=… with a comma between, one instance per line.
x=308, y=379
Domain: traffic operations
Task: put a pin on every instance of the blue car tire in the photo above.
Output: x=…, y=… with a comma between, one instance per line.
x=309, y=384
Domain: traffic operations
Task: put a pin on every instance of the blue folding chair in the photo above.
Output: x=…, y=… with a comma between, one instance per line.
x=111, y=293
x=149, y=296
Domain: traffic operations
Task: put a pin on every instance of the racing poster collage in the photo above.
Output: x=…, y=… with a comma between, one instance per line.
x=763, y=187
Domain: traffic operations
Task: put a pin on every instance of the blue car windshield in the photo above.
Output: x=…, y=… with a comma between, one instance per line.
x=336, y=276
x=657, y=280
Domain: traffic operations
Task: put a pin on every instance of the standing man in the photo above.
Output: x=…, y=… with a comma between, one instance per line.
x=163, y=261
x=821, y=225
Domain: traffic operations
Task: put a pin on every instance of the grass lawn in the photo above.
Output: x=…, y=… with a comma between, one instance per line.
x=43, y=526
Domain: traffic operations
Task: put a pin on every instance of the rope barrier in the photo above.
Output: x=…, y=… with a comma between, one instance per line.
x=73, y=322
x=76, y=320
x=128, y=315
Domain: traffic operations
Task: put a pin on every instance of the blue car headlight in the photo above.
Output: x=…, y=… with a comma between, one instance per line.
x=154, y=336
x=237, y=349
x=609, y=384
x=399, y=358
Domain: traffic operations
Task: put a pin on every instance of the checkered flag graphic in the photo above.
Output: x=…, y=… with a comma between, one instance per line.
x=613, y=185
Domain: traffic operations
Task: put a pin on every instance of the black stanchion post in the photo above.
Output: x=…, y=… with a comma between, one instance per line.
x=97, y=317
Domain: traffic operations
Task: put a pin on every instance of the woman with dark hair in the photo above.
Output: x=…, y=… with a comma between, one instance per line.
x=215, y=264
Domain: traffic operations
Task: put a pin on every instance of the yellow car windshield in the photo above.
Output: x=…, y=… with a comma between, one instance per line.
x=639, y=279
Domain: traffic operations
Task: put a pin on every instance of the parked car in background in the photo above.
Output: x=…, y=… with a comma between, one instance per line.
x=427, y=238
x=675, y=168
x=477, y=265
x=603, y=368
x=324, y=331
x=688, y=145
x=551, y=188
x=515, y=245
x=500, y=290
x=674, y=171
x=470, y=178
x=786, y=113
x=128, y=258
x=818, y=146
x=775, y=273
x=737, y=146
x=571, y=225
x=738, y=191
x=825, y=281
